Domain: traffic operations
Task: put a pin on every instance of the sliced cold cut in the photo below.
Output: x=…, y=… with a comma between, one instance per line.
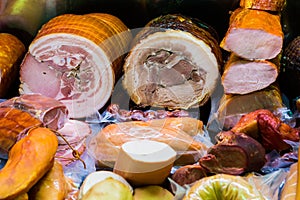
x=243, y=76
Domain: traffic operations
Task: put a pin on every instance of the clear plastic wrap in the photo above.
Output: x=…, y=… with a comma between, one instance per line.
x=266, y=187
x=105, y=145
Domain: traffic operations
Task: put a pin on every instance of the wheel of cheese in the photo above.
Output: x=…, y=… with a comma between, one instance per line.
x=145, y=162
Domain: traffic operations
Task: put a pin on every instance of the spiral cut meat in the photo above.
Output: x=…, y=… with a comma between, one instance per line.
x=76, y=59
x=174, y=63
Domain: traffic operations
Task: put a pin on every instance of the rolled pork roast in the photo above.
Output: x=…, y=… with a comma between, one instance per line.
x=174, y=63
x=76, y=59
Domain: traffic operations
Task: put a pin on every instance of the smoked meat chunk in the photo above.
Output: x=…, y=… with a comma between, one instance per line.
x=254, y=34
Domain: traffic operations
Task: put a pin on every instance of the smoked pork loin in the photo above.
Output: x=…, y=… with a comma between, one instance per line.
x=242, y=76
x=76, y=59
x=174, y=63
x=253, y=34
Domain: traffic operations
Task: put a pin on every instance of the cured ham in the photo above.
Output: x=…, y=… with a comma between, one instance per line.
x=174, y=63
x=76, y=60
x=254, y=34
x=51, y=112
x=75, y=133
x=243, y=76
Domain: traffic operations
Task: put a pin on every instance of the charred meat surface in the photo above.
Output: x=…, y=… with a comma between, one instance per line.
x=234, y=153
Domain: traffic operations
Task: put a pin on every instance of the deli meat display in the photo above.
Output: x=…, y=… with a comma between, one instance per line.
x=144, y=99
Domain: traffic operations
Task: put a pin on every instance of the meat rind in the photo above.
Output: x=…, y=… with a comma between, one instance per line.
x=254, y=34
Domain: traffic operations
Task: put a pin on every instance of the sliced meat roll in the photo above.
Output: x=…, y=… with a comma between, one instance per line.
x=243, y=76
x=76, y=59
x=174, y=63
x=254, y=34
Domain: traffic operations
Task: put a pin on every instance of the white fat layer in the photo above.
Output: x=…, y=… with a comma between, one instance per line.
x=148, y=151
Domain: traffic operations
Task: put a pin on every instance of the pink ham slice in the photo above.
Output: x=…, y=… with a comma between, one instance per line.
x=76, y=60
x=243, y=76
x=75, y=132
x=254, y=34
x=51, y=112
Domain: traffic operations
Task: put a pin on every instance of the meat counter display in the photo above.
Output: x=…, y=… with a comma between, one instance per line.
x=143, y=99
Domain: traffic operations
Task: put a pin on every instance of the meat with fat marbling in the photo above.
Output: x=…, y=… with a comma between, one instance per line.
x=76, y=59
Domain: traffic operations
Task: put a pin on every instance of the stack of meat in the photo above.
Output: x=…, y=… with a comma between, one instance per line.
x=254, y=39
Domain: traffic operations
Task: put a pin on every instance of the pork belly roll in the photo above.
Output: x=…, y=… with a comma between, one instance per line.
x=253, y=34
x=174, y=63
x=243, y=76
x=269, y=5
x=76, y=59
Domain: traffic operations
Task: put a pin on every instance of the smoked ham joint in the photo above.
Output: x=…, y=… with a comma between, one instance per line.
x=136, y=99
